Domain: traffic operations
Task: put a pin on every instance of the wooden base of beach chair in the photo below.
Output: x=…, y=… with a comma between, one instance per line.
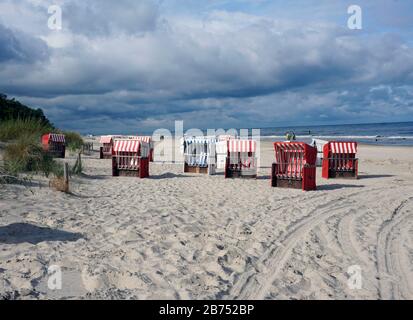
x=331, y=173
x=231, y=173
x=342, y=174
x=238, y=174
x=142, y=172
x=287, y=183
x=189, y=169
x=128, y=173
x=306, y=184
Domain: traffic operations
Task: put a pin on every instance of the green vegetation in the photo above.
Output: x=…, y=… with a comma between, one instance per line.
x=13, y=129
x=74, y=141
x=11, y=109
x=27, y=155
x=6, y=177
x=22, y=127
x=18, y=120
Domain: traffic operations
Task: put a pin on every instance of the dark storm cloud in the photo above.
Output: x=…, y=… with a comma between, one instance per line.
x=19, y=47
x=127, y=64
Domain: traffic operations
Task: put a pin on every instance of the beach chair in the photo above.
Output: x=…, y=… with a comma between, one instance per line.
x=148, y=139
x=241, y=160
x=339, y=160
x=199, y=155
x=106, y=148
x=130, y=157
x=294, y=166
x=54, y=144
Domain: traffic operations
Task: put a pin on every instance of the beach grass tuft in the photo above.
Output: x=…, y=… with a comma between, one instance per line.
x=26, y=155
x=74, y=141
x=15, y=128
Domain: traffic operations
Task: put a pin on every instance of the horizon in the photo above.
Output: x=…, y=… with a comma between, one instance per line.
x=215, y=64
x=263, y=128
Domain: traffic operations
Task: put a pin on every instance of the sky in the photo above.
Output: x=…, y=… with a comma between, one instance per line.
x=131, y=66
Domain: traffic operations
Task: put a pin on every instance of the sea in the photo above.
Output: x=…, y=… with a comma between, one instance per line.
x=400, y=133
x=395, y=133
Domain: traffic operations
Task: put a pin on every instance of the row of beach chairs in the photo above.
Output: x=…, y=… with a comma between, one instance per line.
x=296, y=162
x=294, y=166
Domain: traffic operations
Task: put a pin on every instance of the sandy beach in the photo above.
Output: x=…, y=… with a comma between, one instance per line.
x=188, y=236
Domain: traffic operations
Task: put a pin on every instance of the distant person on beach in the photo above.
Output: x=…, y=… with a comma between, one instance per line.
x=290, y=135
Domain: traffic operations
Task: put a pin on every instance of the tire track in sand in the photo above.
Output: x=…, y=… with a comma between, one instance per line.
x=256, y=283
x=345, y=237
x=253, y=285
x=394, y=283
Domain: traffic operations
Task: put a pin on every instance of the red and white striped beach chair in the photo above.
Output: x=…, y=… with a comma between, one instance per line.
x=106, y=149
x=241, y=160
x=130, y=157
x=147, y=139
x=54, y=144
x=294, y=166
x=340, y=160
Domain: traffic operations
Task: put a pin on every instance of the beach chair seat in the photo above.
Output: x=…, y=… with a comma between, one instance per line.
x=203, y=160
x=241, y=160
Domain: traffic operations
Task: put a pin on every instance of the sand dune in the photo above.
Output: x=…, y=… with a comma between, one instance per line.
x=187, y=236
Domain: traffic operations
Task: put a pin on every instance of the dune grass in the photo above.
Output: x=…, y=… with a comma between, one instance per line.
x=16, y=128
x=26, y=155
x=74, y=141
x=23, y=153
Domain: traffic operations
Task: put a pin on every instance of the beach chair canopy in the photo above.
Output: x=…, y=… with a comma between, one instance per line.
x=287, y=152
x=54, y=137
x=131, y=146
x=105, y=139
x=341, y=147
x=198, y=145
x=147, y=139
x=200, y=140
x=242, y=146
